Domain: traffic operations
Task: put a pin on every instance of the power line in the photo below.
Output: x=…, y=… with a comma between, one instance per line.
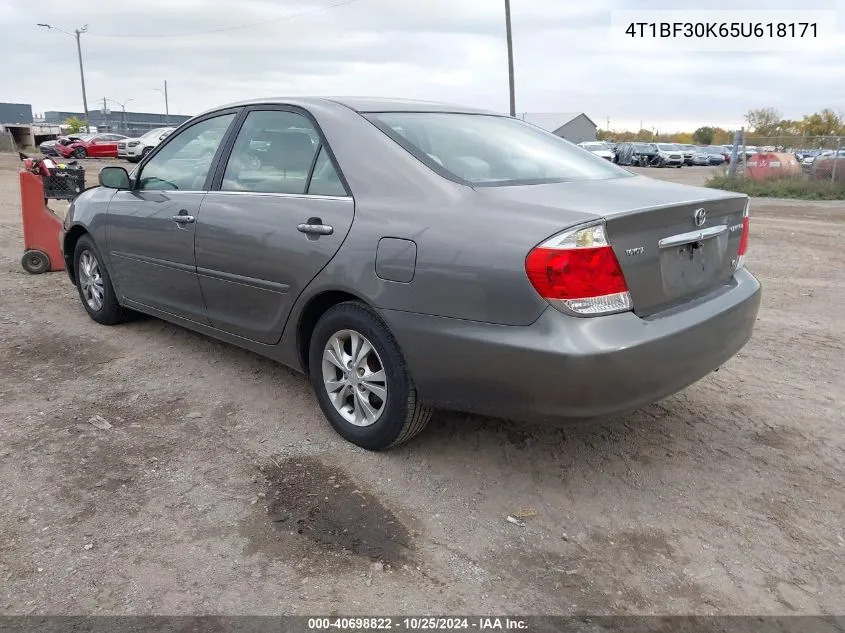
x=233, y=28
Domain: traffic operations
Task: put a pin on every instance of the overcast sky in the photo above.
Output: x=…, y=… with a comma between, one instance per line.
x=445, y=50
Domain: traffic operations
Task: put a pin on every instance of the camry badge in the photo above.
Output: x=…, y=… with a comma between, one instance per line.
x=699, y=217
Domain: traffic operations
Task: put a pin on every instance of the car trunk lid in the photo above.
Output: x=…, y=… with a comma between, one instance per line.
x=673, y=242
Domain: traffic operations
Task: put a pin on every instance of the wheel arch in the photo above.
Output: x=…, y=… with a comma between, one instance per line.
x=311, y=312
x=69, y=246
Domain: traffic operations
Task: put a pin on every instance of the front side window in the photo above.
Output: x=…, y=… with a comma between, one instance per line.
x=489, y=150
x=183, y=163
x=274, y=153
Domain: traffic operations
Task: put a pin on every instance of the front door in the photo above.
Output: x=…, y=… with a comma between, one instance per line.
x=280, y=215
x=150, y=228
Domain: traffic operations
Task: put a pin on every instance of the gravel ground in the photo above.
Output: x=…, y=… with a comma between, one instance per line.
x=219, y=488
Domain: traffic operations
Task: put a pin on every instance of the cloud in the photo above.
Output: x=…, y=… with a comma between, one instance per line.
x=447, y=50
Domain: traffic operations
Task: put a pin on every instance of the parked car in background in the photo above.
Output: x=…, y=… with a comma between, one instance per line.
x=822, y=165
x=714, y=155
x=90, y=146
x=50, y=148
x=687, y=151
x=134, y=149
x=600, y=149
x=582, y=291
x=801, y=154
x=811, y=157
x=670, y=155
x=639, y=154
x=47, y=148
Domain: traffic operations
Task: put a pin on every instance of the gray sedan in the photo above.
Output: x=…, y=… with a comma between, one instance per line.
x=411, y=255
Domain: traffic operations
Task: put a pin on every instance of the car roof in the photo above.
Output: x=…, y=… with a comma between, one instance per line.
x=362, y=104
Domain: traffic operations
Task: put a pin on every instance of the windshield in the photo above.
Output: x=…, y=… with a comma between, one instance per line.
x=595, y=147
x=667, y=147
x=489, y=150
x=644, y=147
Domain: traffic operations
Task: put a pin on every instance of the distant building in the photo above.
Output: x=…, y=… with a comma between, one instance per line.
x=13, y=113
x=17, y=129
x=575, y=127
x=129, y=123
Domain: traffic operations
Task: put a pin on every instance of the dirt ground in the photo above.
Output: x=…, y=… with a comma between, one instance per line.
x=219, y=487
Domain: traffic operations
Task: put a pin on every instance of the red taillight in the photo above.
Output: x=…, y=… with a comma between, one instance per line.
x=577, y=271
x=575, y=274
x=743, y=241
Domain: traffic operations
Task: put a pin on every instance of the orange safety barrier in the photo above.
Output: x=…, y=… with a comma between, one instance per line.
x=40, y=228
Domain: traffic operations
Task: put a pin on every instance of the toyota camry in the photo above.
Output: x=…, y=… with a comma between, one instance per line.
x=411, y=255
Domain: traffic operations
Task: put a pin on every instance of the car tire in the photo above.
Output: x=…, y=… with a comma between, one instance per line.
x=146, y=151
x=94, y=284
x=361, y=416
x=80, y=152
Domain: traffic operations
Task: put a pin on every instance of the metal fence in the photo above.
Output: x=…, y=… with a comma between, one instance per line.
x=820, y=157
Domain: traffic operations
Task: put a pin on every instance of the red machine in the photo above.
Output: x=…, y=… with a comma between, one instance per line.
x=41, y=179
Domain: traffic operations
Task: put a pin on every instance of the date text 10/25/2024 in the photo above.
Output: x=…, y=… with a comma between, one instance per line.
x=424, y=623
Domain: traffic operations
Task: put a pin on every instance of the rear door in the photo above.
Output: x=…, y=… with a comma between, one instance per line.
x=150, y=228
x=109, y=144
x=279, y=213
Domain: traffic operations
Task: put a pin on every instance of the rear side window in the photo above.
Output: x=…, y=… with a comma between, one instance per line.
x=324, y=180
x=273, y=153
x=491, y=150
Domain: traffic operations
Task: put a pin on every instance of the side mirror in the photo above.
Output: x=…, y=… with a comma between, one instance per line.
x=114, y=178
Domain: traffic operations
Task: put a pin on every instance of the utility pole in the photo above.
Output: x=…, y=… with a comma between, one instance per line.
x=77, y=33
x=608, y=123
x=510, y=56
x=738, y=134
x=166, y=105
x=123, y=109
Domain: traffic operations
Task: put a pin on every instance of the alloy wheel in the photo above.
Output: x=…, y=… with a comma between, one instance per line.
x=91, y=281
x=354, y=378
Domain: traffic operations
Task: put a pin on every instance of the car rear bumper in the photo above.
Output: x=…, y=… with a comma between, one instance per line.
x=573, y=368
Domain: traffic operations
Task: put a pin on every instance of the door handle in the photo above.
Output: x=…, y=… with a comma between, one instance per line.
x=183, y=218
x=315, y=229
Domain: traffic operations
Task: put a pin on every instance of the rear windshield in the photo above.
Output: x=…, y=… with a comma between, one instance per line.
x=491, y=150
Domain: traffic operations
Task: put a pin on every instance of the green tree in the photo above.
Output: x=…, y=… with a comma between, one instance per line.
x=824, y=123
x=764, y=121
x=74, y=125
x=704, y=135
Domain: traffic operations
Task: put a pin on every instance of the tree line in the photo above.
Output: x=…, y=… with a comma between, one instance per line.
x=763, y=126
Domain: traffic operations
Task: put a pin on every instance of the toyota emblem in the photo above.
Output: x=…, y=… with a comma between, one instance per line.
x=699, y=217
